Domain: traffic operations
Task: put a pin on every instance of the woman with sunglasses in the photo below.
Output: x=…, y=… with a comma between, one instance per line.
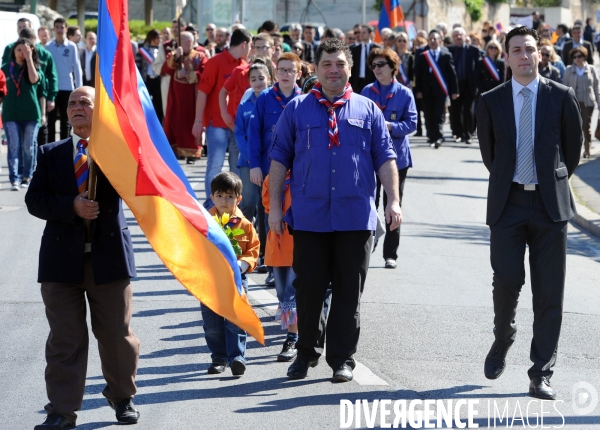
x=491, y=68
x=398, y=106
x=407, y=61
x=545, y=68
x=583, y=78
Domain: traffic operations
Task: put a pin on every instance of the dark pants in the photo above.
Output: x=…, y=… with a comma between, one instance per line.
x=419, y=104
x=525, y=221
x=391, y=242
x=461, y=114
x=433, y=109
x=68, y=341
x=342, y=259
x=60, y=110
x=153, y=86
x=586, y=115
x=42, y=137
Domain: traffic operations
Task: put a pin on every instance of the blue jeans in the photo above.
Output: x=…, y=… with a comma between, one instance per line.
x=286, y=294
x=226, y=341
x=251, y=194
x=21, y=138
x=218, y=140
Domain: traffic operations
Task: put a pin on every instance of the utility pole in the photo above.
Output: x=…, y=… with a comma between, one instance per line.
x=81, y=15
x=148, y=12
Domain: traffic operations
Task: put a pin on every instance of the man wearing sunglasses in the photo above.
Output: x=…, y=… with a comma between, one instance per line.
x=211, y=31
x=545, y=68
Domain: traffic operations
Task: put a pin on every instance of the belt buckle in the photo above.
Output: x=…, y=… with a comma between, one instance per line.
x=529, y=187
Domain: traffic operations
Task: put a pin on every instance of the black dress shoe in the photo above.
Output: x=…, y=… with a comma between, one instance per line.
x=438, y=143
x=55, y=422
x=216, y=367
x=237, y=367
x=288, y=352
x=125, y=411
x=540, y=387
x=343, y=374
x=495, y=361
x=299, y=368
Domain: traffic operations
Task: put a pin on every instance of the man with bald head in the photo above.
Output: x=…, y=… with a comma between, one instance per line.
x=86, y=250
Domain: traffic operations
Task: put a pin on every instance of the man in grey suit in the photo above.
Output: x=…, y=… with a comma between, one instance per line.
x=530, y=138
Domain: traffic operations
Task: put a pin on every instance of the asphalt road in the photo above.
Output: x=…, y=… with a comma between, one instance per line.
x=426, y=327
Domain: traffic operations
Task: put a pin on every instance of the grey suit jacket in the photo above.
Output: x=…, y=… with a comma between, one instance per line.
x=557, y=146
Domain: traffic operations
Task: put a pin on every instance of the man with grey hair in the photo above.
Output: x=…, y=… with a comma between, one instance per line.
x=466, y=57
x=339, y=34
x=442, y=27
x=295, y=36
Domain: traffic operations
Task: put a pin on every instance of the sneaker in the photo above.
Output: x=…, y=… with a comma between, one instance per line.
x=270, y=279
x=288, y=352
x=390, y=263
x=216, y=367
x=237, y=367
x=15, y=187
x=25, y=183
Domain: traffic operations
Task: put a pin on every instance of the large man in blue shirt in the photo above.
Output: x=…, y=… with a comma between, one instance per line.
x=333, y=141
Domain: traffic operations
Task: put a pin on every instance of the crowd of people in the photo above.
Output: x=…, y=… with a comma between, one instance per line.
x=313, y=127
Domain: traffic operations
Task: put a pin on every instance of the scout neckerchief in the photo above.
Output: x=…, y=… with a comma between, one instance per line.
x=375, y=88
x=334, y=138
x=491, y=67
x=280, y=97
x=15, y=81
x=436, y=71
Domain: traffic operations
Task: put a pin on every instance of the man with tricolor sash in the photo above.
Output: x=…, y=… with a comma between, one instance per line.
x=435, y=81
x=86, y=251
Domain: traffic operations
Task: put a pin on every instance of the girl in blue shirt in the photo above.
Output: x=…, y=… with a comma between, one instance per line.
x=398, y=106
x=260, y=79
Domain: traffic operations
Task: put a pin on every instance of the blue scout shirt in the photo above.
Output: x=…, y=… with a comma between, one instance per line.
x=242, y=121
x=332, y=189
x=401, y=112
x=262, y=124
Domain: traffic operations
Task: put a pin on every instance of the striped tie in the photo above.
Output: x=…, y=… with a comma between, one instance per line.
x=81, y=166
x=525, y=144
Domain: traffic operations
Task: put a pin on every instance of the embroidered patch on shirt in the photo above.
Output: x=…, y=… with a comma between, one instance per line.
x=356, y=122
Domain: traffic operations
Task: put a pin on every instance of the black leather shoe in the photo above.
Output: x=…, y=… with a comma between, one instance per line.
x=55, y=422
x=125, y=411
x=288, y=352
x=540, y=387
x=438, y=143
x=216, y=367
x=299, y=368
x=237, y=367
x=343, y=374
x=495, y=361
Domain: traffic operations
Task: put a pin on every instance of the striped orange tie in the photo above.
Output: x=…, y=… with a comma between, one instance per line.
x=81, y=166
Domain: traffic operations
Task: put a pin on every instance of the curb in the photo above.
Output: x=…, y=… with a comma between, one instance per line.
x=585, y=218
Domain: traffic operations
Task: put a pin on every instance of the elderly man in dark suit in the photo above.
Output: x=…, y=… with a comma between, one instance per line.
x=361, y=75
x=435, y=80
x=577, y=40
x=530, y=138
x=466, y=58
x=86, y=250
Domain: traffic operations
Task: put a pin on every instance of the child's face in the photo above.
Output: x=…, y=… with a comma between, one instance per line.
x=258, y=80
x=225, y=201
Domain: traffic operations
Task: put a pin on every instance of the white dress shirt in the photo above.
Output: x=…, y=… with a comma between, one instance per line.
x=364, y=53
x=518, y=104
x=88, y=62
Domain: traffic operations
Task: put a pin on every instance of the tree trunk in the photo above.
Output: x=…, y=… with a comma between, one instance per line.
x=81, y=16
x=148, y=12
x=52, y=4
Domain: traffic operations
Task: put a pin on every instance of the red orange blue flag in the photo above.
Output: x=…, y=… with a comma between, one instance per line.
x=390, y=17
x=129, y=146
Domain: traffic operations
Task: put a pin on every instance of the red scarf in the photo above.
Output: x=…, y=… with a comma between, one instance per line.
x=334, y=138
x=17, y=82
x=279, y=95
x=389, y=96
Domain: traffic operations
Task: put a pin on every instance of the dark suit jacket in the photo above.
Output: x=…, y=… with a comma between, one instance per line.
x=50, y=197
x=93, y=66
x=485, y=81
x=425, y=81
x=569, y=46
x=354, y=76
x=557, y=146
x=472, y=57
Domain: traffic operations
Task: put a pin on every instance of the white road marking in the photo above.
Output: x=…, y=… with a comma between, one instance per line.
x=261, y=297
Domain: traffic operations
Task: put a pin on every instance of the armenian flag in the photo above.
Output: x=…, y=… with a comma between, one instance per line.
x=391, y=16
x=129, y=146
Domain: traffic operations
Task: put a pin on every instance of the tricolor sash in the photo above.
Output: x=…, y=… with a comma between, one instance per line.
x=436, y=71
x=147, y=55
x=402, y=75
x=491, y=67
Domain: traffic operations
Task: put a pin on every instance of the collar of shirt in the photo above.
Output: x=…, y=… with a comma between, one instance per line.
x=75, y=140
x=533, y=86
x=90, y=51
x=580, y=72
x=64, y=42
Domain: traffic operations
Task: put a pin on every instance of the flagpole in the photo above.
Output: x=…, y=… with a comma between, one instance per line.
x=91, y=186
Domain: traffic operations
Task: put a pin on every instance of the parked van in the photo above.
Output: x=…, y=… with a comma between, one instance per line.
x=8, y=26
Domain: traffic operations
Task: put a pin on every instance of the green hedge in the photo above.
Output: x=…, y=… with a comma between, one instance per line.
x=137, y=27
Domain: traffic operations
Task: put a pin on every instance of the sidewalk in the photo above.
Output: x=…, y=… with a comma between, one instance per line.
x=585, y=184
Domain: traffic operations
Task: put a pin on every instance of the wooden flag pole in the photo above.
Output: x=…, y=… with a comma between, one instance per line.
x=92, y=182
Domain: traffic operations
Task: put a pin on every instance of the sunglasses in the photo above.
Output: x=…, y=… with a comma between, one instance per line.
x=381, y=64
x=576, y=56
x=356, y=33
x=545, y=55
x=493, y=47
x=297, y=48
x=400, y=40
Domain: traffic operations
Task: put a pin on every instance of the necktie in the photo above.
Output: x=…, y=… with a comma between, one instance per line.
x=81, y=166
x=334, y=138
x=525, y=143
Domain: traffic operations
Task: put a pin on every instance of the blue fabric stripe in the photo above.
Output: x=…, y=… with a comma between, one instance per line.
x=82, y=178
x=107, y=47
